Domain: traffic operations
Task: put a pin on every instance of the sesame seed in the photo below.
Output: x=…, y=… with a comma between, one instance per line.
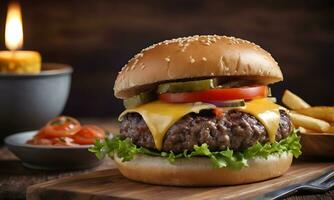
x=184, y=42
x=139, y=55
x=192, y=60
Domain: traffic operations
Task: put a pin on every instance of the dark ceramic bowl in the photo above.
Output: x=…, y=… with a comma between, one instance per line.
x=50, y=157
x=27, y=101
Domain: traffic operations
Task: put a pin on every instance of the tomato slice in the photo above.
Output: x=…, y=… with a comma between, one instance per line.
x=40, y=134
x=218, y=112
x=88, y=134
x=40, y=141
x=62, y=126
x=63, y=141
x=225, y=94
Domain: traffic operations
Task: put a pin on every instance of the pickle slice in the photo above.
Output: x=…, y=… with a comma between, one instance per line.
x=233, y=84
x=139, y=99
x=188, y=86
x=273, y=99
x=269, y=92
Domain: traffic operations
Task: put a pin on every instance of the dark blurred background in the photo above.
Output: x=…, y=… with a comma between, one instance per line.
x=97, y=37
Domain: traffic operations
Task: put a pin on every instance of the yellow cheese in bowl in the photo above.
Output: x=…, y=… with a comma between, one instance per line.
x=20, y=62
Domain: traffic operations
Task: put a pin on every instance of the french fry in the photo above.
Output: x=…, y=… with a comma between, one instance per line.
x=293, y=101
x=307, y=122
x=305, y=130
x=321, y=112
x=331, y=129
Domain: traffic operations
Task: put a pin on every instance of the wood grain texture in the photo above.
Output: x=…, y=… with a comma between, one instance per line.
x=14, y=178
x=109, y=184
x=318, y=145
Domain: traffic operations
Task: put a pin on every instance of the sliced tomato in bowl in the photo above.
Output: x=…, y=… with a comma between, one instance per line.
x=223, y=94
x=63, y=141
x=88, y=134
x=62, y=126
x=40, y=133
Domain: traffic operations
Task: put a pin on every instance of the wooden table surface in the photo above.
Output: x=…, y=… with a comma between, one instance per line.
x=14, y=178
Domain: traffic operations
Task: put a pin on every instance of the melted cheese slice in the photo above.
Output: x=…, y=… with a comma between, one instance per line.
x=160, y=116
x=266, y=112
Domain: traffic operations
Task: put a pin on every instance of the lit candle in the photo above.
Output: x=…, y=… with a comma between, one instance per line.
x=15, y=61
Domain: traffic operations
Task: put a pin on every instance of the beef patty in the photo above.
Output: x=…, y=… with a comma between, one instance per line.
x=235, y=130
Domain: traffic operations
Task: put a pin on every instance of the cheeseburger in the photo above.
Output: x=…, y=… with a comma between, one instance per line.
x=199, y=112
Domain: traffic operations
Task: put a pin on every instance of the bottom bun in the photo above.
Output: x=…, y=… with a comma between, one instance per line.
x=198, y=171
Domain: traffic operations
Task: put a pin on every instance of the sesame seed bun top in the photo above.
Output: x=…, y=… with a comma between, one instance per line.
x=196, y=57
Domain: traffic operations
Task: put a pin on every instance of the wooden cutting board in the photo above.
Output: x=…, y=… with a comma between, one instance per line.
x=110, y=184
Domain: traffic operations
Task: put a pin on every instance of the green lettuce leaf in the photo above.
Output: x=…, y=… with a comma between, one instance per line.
x=126, y=150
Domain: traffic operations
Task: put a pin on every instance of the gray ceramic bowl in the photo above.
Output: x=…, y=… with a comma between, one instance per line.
x=27, y=101
x=50, y=157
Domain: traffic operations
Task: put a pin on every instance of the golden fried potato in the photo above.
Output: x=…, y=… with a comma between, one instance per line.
x=307, y=122
x=293, y=101
x=331, y=129
x=305, y=130
x=321, y=112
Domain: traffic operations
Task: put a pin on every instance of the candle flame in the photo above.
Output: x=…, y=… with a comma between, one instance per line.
x=14, y=30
